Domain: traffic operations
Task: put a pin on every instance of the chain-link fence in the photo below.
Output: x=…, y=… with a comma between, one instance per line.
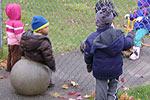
x=71, y=21
x=0, y=26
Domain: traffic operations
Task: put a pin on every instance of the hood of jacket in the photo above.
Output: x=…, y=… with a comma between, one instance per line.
x=110, y=41
x=31, y=42
x=13, y=11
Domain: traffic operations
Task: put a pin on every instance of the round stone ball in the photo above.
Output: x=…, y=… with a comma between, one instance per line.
x=29, y=77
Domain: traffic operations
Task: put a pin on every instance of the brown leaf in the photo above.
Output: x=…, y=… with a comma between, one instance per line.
x=125, y=97
x=90, y=95
x=3, y=64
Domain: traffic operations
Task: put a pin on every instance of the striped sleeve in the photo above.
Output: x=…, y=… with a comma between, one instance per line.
x=15, y=27
x=18, y=27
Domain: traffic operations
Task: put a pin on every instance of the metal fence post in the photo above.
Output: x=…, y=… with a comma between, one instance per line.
x=1, y=25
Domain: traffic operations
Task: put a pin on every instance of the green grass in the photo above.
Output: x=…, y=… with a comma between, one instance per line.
x=139, y=92
x=71, y=21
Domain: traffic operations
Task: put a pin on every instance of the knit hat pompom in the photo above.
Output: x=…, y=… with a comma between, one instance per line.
x=104, y=17
x=39, y=22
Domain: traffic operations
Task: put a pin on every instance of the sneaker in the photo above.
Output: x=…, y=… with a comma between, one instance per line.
x=136, y=53
x=51, y=85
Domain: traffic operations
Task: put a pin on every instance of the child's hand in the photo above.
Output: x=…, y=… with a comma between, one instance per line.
x=131, y=33
x=139, y=19
x=54, y=70
x=89, y=67
x=126, y=16
x=82, y=46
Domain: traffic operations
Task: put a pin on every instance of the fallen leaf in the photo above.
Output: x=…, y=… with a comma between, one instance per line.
x=3, y=77
x=131, y=99
x=62, y=54
x=122, y=80
x=67, y=80
x=63, y=97
x=125, y=88
x=93, y=94
x=87, y=96
x=27, y=24
x=74, y=83
x=90, y=95
x=70, y=93
x=64, y=86
x=3, y=64
x=79, y=98
x=118, y=25
x=71, y=99
x=38, y=7
x=77, y=94
x=56, y=95
x=124, y=97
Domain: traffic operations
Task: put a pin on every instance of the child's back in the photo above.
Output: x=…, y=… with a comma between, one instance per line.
x=14, y=31
x=37, y=48
x=35, y=45
x=103, y=52
x=14, y=26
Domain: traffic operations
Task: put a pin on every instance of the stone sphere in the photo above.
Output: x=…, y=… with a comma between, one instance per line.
x=29, y=78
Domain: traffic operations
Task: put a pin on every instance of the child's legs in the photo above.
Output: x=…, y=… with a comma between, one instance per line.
x=9, y=59
x=16, y=54
x=139, y=35
x=51, y=75
x=112, y=89
x=101, y=90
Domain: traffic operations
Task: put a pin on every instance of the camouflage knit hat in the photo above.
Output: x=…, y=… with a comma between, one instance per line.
x=104, y=17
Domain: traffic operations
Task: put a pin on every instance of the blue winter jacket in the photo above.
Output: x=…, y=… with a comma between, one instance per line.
x=145, y=13
x=103, y=50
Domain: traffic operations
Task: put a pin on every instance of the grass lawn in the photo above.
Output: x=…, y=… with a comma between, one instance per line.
x=140, y=92
x=71, y=21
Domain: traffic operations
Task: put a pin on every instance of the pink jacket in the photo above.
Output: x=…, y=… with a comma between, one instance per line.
x=14, y=26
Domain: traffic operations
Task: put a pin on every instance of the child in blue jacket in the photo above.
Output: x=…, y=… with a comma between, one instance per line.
x=141, y=26
x=103, y=52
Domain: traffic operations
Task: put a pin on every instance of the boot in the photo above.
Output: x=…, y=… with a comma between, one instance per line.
x=136, y=53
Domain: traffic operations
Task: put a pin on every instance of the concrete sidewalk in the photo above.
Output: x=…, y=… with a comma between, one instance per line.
x=71, y=67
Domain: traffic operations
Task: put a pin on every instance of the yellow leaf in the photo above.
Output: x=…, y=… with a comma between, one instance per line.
x=64, y=86
x=87, y=96
x=56, y=95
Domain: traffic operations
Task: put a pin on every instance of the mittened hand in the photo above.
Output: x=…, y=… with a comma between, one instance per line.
x=126, y=16
x=131, y=33
x=139, y=19
x=54, y=70
x=82, y=46
x=89, y=67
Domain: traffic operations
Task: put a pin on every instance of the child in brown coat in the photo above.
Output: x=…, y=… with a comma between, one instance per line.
x=36, y=46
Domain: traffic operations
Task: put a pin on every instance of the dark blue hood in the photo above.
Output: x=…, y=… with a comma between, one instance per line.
x=110, y=41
